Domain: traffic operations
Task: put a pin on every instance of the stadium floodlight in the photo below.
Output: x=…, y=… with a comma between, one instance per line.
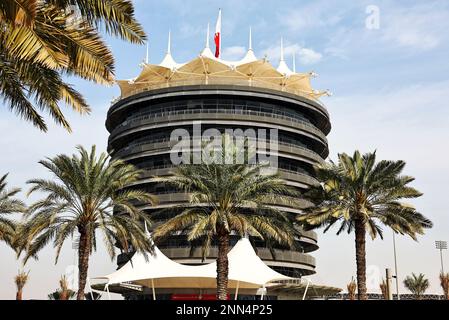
x=441, y=245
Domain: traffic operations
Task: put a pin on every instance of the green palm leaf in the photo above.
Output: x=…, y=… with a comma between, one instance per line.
x=88, y=196
x=42, y=41
x=360, y=196
x=229, y=198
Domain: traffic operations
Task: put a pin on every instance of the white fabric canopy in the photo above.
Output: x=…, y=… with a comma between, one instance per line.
x=246, y=270
x=207, y=69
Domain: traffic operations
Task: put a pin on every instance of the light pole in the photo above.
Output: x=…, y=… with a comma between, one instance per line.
x=441, y=245
x=396, y=267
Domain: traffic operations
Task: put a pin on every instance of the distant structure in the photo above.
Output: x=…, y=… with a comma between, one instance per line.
x=249, y=93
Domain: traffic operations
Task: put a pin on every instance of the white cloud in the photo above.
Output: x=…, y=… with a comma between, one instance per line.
x=233, y=53
x=412, y=30
x=317, y=14
x=309, y=56
x=422, y=27
x=408, y=123
x=305, y=56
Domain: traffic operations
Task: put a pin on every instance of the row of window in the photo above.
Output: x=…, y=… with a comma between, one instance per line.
x=166, y=163
x=182, y=242
x=214, y=105
x=165, y=138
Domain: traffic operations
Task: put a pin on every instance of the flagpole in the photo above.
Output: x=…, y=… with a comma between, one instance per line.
x=217, y=36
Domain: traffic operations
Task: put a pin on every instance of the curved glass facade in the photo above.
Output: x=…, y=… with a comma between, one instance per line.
x=140, y=127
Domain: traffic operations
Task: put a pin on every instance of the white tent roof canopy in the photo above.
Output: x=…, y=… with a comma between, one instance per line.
x=207, y=69
x=246, y=271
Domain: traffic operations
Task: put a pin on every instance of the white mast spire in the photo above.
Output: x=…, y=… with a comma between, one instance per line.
x=147, y=55
x=249, y=57
x=282, y=49
x=207, y=36
x=250, y=44
x=169, y=42
x=294, y=61
x=283, y=68
x=168, y=60
x=206, y=51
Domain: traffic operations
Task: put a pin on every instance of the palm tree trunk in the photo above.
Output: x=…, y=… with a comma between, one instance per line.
x=222, y=265
x=19, y=294
x=360, y=254
x=83, y=262
x=63, y=295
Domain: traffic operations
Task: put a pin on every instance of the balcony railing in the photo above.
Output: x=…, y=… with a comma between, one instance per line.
x=158, y=115
x=166, y=169
x=165, y=143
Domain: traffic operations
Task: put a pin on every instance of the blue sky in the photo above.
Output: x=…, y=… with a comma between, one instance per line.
x=391, y=93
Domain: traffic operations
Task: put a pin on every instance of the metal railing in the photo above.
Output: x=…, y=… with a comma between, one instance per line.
x=131, y=146
x=148, y=174
x=289, y=256
x=156, y=115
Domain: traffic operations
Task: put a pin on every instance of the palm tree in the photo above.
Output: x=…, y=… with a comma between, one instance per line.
x=63, y=293
x=229, y=198
x=63, y=288
x=89, y=194
x=43, y=40
x=361, y=194
x=383, y=289
x=444, y=281
x=20, y=279
x=417, y=284
x=352, y=288
x=8, y=205
x=56, y=295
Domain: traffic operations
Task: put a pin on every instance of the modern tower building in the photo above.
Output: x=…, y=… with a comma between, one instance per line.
x=245, y=94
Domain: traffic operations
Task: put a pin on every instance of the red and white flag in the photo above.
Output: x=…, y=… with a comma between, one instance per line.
x=217, y=36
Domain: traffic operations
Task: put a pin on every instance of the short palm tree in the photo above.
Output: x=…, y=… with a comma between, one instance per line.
x=352, y=288
x=8, y=205
x=227, y=198
x=56, y=295
x=361, y=194
x=444, y=282
x=384, y=289
x=43, y=40
x=20, y=279
x=64, y=288
x=417, y=284
x=63, y=293
x=89, y=194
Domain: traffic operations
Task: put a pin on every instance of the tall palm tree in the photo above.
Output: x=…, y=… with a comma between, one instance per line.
x=8, y=205
x=444, y=282
x=43, y=40
x=89, y=194
x=20, y=279
x=227, y=198
x=417, y=284
x=361, y=194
